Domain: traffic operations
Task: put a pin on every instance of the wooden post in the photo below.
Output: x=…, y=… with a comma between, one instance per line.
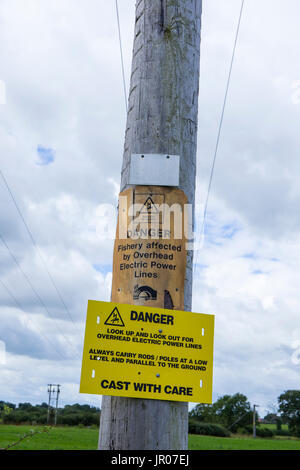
x=162, y=119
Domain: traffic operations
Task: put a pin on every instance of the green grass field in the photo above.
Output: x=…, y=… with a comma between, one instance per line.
x=273, y=426
x=242, y=443
x=59, y=438
x=74, y=438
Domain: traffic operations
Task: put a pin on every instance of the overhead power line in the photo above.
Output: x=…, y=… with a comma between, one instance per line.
x=222, y=118
x=222, y=113
x=121, y=53
x=36, y=246
x=33, y=288
x=19, y=306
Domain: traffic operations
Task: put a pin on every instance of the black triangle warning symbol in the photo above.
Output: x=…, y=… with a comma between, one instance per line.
x=149, y=207
x=114, y=318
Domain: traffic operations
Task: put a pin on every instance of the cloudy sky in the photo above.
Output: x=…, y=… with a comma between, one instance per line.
x=62, y=122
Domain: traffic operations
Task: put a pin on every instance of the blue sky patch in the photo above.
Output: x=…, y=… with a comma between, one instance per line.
x=217, y=234
x=257, y=271
x=103, y=268
x=46, y=155
x=229, y=230
x=201, y=266
x=249, y=256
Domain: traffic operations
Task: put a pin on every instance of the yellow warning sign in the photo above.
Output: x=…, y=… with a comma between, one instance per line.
x=141, y=352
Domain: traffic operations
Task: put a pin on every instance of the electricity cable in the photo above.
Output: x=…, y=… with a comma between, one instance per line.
x=33, y=288
x=19, y=306
x=221, y=120
x=36, y=246
x=121, y=53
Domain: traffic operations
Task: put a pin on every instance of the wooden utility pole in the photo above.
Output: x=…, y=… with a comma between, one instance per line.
x=162, y=119
x=254, y=420
x=53, y=391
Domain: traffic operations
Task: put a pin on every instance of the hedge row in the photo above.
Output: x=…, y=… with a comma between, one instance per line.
x=207, y=429
x=66, y=419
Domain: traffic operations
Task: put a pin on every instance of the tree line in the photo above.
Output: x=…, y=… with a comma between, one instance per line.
x=234, y=413
x=69, y=415
x=228, y=414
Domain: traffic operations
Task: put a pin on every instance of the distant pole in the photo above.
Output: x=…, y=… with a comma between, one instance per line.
x=49, y=402
x=254, y=420
x=53, y=391
x=56, y=404
x=162, y=119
